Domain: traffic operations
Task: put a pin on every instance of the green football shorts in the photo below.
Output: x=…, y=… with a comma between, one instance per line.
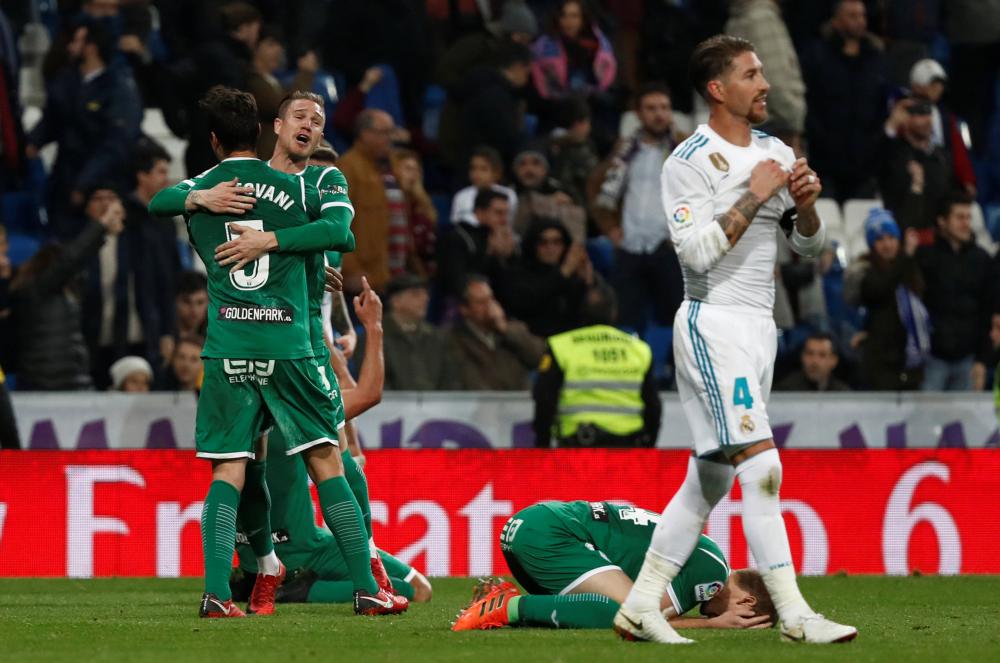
x=241, y=397
x=544, y=556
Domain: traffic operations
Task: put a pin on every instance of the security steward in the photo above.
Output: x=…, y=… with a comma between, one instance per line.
x=595, y=385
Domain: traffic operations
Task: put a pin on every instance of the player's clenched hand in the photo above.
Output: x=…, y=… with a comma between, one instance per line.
x=334, y=280
x=766, y=179
x=804, y=185
x=247, y=247
x=741, y=618
x=368, y=306
x=224, y=198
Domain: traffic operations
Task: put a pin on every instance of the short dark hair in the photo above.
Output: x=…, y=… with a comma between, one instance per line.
x=485, y=198
x=236, y=14
x=100, y=38
x=489, y=154
x=324, y=153
x=711, y=59
x=511, y=53
x=190, y=282
x=232, y=117
x=650, y=88
x=366, y=120
x=147, y=152
x=600, y=306
x=751, y=582
x=193, y=339
x=469, y=280
x=295, y=96
x=822, y=336
x=951, y=199
x=572, y=110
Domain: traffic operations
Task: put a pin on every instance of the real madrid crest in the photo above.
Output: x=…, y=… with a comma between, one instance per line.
x=747, y=425
x=719, y=161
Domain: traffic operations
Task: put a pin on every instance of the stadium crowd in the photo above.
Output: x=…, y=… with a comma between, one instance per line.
x=504, y=160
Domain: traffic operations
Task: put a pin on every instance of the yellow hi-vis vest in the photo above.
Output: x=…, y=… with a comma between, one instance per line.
x=603, y=369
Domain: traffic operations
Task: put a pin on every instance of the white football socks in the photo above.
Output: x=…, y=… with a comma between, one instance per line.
x=268, y=564
x=760, y=480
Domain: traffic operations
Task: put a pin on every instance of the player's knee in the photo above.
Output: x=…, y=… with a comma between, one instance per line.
x=762, y=471
x=715, y=480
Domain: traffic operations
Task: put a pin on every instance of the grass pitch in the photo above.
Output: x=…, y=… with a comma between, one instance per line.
x=900, y=619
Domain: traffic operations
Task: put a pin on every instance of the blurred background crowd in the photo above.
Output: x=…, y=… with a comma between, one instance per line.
x=503, y=158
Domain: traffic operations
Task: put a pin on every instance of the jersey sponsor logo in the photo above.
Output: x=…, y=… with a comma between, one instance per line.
x=334, y=190
x=706, y=590
x=719, y=161
x=277, y=536
x=256, y=314
x=599, y=512
x=682, y=214
x=747, y=425
x=241, y=370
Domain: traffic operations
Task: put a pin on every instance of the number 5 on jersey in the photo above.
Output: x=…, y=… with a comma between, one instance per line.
x=254, y=274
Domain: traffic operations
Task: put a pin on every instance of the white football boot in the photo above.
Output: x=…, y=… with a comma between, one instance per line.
x=647, y=627
x=815, y=629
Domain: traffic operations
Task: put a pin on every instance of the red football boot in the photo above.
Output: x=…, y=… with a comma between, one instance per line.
x=488, y=612
x=381, y=603
x=262, y=596
x=213, y=607
x=381, y=577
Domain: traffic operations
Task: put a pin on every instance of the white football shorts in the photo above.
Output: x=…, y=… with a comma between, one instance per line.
x=725, y=364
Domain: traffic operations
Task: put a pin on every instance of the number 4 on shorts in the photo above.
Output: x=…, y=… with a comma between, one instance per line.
x=741, y=394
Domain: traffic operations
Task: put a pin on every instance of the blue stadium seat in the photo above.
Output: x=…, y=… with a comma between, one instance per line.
x=19, y=212
x=22, y=247
x=660, y=340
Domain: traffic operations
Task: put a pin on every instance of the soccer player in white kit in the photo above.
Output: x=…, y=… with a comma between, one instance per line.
x=726, y=191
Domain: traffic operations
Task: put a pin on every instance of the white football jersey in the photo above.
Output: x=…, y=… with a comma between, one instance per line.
x=701, y=180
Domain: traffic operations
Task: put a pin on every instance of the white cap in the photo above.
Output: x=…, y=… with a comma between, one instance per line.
x=927, y=71
x=125, y=367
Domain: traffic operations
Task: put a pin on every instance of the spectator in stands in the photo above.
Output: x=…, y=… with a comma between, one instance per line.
x=845, y=75
x=268, y=59
x=378, y=199
x=184, y=370
x=494, y=353
x=220, y=59
x=93, y=113
x=488, y=247
x=877, y=281
x=420, y=212
x=595, y=384
x=958, y=293
x=760, y=22
x=542, y=197
x=628, y=209
x=547, y=286
x=485, y=172
x=574, y=156
x=9, y=438
x=819, y=361
x=517, y=24
x=132, y=375
x=574, y=56
x=52, y=353
x=417, y=354
x=12, y=136
x=488, y=108
x=154, y=240
x=190, y=310
x=928, y=80
x=375, y=90
x=916, y=175
x=973, y=30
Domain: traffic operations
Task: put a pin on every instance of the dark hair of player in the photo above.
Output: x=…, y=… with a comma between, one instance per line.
x=711, y=59
x=950, y=200
x=146, y=154
x=295, y=96
x=190, y=282
x=469, y=281
x=752, y=583
x=491, y=155
x=650, y=88
x=822, y=336
x=485, y=198
x=232, y=117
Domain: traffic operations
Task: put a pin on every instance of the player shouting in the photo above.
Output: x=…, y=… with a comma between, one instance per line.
x=726, y=191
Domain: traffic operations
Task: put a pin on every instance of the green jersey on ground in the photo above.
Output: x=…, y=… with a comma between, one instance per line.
x=553, y=546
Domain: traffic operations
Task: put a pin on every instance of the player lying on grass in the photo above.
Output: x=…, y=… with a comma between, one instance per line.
x=318, y=571
x=578, y=561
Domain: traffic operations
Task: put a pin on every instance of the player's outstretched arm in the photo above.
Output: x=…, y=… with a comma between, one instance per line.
x=736, y=618
x=371, y=381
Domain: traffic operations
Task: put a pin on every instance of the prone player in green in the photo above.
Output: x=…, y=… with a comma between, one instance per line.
x=577, y=560
x=259, y=362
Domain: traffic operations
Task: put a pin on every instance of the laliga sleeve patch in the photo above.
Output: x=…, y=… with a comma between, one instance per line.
x=706, y=590
x=682, y=214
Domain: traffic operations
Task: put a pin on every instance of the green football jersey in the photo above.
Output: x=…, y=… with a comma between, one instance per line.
x=623, y=534
x=262, y=311
x=332, y=186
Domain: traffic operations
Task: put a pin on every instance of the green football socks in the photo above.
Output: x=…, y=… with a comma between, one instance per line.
x=358, y=482
x=569, y=611
x=218, y=536
x=342, y=591
x=343, y=517
x=255, y=507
